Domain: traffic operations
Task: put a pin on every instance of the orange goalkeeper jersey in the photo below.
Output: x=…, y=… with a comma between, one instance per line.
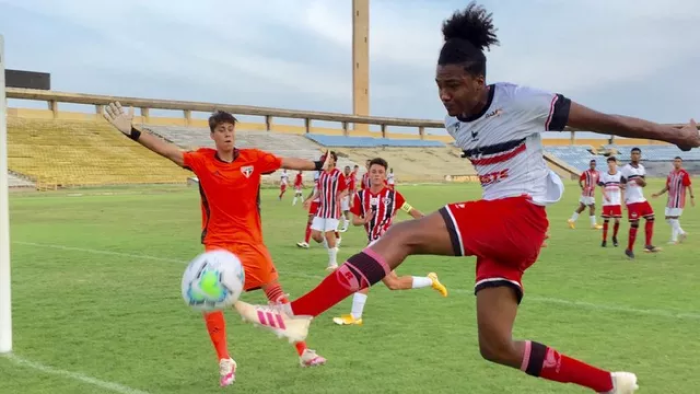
x=230, y=193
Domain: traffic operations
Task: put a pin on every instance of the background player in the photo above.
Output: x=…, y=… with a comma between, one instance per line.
x=391, y=180
x=375, y=208
x=365, y=177
x=228, y=223
x=612, y=183
x=298, y=187
x=284, y=181
x=345, y=201
x=637, y=205
x=311, y=204
x=677, y=184
x=506, y=228
x=588, y=182
x=324, y=227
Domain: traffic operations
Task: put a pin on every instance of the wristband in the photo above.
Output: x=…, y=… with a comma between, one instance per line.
x=406, y=207
x=318, y=165
x=135, y=134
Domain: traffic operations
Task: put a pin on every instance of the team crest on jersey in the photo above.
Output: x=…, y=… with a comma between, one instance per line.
x=247, y=170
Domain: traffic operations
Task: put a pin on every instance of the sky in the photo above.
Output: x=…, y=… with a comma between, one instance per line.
x=632, y=57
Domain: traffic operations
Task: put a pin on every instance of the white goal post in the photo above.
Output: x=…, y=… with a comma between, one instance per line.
x=5, y=300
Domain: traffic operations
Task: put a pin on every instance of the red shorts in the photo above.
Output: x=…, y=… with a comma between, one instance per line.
x=283, y=187
x=612, y=211
x=256, y=260
x=638, y=210
x=313, y=207
x=505, y=236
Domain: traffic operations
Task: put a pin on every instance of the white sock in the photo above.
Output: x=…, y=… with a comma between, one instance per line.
x=358, y=305
x=332, y=256
x=420, y=282
x=592, y=217
x=294, y=202
x=346, y=223
x=674, y=229
x=574, y=216
x=678, y=227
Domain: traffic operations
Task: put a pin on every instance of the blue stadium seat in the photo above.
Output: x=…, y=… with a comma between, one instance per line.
x=370, y=142
x=576, y=156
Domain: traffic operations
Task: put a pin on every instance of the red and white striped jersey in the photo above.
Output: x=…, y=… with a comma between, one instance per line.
x=504, y=142
x=353, y=181
x=298, y=180
x=590, y=180
x=634, y=193
x=317, y=174
x=365, y=181
x=349, y=184
x=613, y=186
x=677, y=183
x=330, y=185
x=383, y=206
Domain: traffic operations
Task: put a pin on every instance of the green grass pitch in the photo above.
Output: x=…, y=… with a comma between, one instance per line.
x=97, y=305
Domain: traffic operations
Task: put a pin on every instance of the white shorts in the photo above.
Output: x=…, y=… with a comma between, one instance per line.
x=324, y=224
x=345, y=204
x=298, y=190
x=587, y=201
x=674, y=212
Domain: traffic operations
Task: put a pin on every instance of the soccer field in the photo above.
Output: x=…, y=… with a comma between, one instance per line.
x=97, y=305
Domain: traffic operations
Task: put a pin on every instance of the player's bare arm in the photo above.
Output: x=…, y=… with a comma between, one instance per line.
x=123, y=121
x=660, y=193
x=292, y=163
x=692, y=195
x=605, y=194
x=313, y=195
x=414, y=213
x=584, y=118
x=358, y=220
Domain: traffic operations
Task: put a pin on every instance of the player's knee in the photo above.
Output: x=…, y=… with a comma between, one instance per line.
x=391, y=283
x=497, y=349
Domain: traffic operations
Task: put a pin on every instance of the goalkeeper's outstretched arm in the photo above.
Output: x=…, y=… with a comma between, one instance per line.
x=122, y=121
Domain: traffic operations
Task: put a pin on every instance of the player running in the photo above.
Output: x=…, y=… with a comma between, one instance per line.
x=637, y=205
x=588, y=182
x=311, y=204
x=284, y=181
x=298, y=187
x=677, y=184
x=375, y=209
x=506, y=228
x=611, y=182
x=345, y=201
x=229, y=184
x=324, y=227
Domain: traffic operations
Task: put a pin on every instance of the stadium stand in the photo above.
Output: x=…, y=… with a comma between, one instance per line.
x=335, y=141
x=575, y=156
x=80, y=153
x=16, y=181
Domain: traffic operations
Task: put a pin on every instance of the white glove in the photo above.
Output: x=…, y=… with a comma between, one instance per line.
x=114, y=113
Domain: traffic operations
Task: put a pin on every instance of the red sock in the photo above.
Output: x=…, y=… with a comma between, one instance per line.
x=216, y=325
x=359, y=272
x=616, y=227
x=605, y=230
x=633, y=237
x=274, y=293
x=648, y=231
x=307, y=235
x=547, y=363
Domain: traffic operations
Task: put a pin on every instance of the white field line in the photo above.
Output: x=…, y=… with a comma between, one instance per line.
x=545, y=300
x=111, y=386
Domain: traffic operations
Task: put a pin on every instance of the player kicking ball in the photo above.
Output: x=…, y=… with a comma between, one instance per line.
x=228, y=223
x=375, y=209
x=505, y=229
x=588, y=182
x=612, y=182
x=677, y=185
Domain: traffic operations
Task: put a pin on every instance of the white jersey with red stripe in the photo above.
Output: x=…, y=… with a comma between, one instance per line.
x=284, y=179
x=612, y=183
x=330, y=185
x=677, y=183
x=504, y=142
x=634, y=192
x=590, y=180
x=382, y=206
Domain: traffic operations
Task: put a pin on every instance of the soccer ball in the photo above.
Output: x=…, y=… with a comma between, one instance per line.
x=213, y=281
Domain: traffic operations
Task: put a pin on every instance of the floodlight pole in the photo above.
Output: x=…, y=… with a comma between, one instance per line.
x=5, y=300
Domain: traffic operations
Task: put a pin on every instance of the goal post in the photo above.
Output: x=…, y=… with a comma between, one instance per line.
x=5, y=300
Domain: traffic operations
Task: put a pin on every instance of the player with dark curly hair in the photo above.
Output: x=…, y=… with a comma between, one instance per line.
x=499, y=128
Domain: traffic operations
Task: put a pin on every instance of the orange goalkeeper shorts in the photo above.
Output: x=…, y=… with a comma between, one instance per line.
x=257, y=263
